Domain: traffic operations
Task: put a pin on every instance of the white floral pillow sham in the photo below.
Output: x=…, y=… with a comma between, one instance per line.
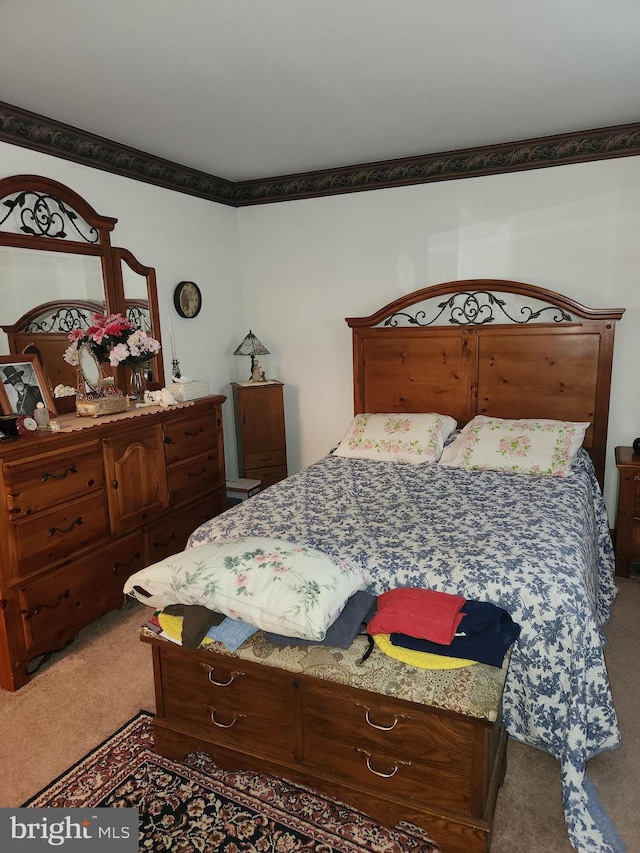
x=410, y=437
x=278, y=586
x=525, y=446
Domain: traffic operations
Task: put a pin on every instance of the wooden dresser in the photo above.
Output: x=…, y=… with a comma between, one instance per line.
x=393, y=759
x=260, y=431
x=84, y=509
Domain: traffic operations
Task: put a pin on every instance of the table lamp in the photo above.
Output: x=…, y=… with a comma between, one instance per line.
x=252, y=347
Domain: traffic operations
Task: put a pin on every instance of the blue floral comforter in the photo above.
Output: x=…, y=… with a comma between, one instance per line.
x=537, y=546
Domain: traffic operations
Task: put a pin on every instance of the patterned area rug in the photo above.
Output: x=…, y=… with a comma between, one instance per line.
x=194, y=806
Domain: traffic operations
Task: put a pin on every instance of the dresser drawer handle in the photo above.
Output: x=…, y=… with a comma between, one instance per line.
x=54, y=530
x=396, y=719
x=159, y=543
x=28, y=614
x=211, y=670
x=188, y=434
x=199, y=473
x=70, y=470
x=377, y=772
x=236, y=718
x=126, y=565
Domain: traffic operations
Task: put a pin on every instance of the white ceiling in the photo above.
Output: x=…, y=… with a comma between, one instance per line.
x=246, y=89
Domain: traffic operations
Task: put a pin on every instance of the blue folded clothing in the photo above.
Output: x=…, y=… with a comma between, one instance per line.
x=359, y=608
x=485, y=635
x=231, y=633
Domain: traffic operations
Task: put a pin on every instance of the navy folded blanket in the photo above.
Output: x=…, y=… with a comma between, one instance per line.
x=485, y=635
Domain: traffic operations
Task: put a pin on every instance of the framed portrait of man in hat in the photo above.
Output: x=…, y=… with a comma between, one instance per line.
x=23, y=386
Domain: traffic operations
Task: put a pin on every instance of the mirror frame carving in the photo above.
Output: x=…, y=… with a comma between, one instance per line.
x=111, y=259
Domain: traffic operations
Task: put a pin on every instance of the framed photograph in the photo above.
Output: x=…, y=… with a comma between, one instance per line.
x=23, y=386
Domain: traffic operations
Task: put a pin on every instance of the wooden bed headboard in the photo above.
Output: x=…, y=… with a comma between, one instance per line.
x=491, y=347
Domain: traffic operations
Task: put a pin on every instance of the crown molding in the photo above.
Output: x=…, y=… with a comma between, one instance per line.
x=29, y=130
x=579, y=147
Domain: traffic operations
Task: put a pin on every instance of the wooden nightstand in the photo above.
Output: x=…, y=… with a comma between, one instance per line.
x=628, y=518
x=260, y=431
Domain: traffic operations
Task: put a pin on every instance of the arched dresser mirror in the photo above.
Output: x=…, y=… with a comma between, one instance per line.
x=57, y=267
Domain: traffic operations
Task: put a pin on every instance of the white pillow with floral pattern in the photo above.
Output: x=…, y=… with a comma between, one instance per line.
x=279, y=586
x=410, y=437
x=525, y=446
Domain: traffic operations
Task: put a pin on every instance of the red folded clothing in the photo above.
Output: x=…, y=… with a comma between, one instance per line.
x=423, y=613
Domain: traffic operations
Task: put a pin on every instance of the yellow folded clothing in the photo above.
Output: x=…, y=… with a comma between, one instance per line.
x=172, y=627
x=424, y=660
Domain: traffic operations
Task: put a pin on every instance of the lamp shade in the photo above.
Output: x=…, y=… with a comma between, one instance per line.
x=251, y=346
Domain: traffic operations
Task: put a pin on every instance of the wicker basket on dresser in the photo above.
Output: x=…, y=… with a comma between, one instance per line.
x=84, y=508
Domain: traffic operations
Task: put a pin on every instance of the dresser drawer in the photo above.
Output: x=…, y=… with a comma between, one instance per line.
x=57, y=533
x=230, y=702
x=169, y=534
x=56, y=606
x=190, y=436
x=52, y=478
x=400, y=748
x=197, y=475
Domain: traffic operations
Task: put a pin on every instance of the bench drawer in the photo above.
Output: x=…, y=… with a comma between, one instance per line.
x=229, y=702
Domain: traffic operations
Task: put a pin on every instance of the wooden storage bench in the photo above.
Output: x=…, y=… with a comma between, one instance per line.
x=397, y=742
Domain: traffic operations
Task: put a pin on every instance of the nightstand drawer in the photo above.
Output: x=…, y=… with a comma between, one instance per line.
x=267, y=476
x=265, y=459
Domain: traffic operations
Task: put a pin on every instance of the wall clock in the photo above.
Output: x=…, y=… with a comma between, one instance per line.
x=187, y=299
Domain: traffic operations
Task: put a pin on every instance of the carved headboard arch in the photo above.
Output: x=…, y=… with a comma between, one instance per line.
x=488, y=346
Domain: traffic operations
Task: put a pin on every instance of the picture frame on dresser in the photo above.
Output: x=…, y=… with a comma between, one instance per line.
x=23, y=385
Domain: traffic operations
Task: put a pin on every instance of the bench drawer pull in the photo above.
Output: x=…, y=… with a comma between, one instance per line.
x=232, y=678
x=396, y=719
x=236, y=718
x=377, y=772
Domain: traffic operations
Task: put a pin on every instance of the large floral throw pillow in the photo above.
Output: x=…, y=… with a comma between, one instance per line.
x=523, y=446
x=283, y=587
x=412, y=437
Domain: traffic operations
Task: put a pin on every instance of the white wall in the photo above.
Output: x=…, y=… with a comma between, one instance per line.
x=306, y=265
x=182, y=237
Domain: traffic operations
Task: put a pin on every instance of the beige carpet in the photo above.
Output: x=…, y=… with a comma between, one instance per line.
x=84, y=694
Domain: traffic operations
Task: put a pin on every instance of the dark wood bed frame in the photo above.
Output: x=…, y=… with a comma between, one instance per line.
x=457, y=356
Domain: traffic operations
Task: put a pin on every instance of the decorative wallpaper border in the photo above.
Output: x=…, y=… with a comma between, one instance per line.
x=30, y=130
